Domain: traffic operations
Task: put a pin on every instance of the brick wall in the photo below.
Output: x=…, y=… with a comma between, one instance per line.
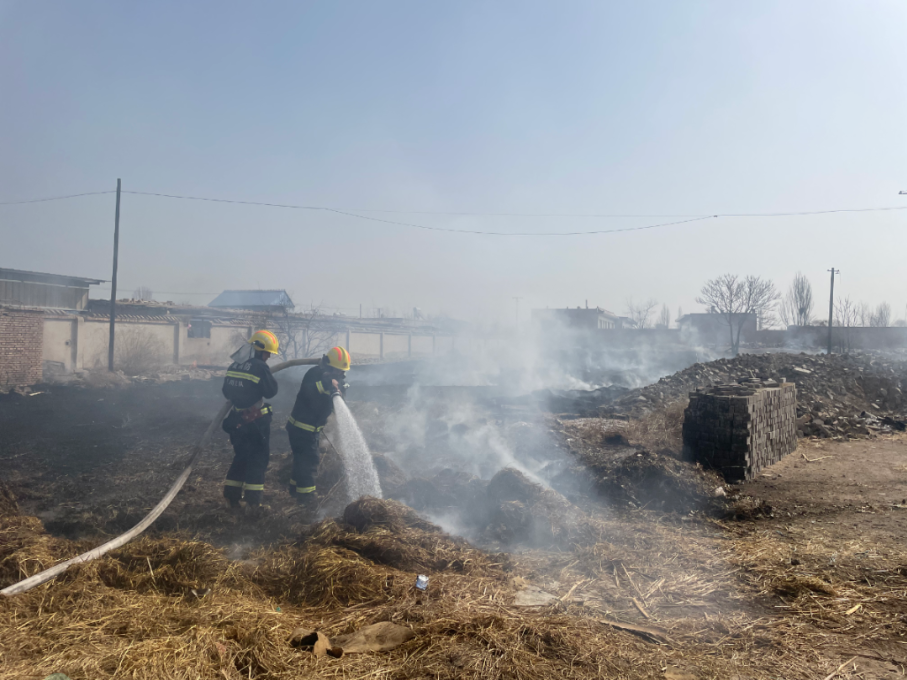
x=741, y=429
x=21, y=346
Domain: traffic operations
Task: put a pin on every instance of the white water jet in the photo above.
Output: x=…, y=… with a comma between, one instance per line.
x=361, y=475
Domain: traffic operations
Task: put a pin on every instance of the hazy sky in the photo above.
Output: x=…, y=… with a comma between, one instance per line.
x=681, y=108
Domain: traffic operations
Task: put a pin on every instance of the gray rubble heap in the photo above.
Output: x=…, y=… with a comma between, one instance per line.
x=839, y=395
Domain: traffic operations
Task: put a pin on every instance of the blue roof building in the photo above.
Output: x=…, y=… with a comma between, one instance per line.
x=254, y=300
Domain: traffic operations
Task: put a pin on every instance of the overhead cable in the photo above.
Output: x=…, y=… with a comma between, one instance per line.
x=356, y=213
x=58, y=198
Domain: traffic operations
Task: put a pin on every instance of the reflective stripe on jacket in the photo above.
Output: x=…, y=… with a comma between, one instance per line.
x=248, y=383
x=314, y=403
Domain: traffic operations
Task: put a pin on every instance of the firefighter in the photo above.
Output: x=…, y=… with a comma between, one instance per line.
x=248, y=383
x=314, y=404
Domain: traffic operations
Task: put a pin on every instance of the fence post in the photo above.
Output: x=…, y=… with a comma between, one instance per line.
x=409, y=345
x=381, y=346
x=177, y=327
x=348, y=340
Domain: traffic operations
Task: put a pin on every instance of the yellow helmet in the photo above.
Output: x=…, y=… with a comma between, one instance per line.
x=264, y=341
x=339, y=358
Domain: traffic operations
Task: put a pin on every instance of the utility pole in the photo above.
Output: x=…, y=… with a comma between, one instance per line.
x=113, y=281
x=517, y=301
x=831, y=304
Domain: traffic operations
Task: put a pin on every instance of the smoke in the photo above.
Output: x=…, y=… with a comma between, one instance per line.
x=548, y=358
x=483, y=408
x=460, y=431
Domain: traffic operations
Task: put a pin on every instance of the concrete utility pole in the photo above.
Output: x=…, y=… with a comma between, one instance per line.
x=113, y=281
x=831, y=304
x=517, y=301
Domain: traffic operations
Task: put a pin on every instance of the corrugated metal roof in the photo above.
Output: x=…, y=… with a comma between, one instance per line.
x=20, y=275
x=243, y=299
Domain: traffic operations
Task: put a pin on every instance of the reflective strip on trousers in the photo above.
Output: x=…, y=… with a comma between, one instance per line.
x=305, y=489
x=232, y=482
x=243, y=376
x=303, y=426
x=253, y=487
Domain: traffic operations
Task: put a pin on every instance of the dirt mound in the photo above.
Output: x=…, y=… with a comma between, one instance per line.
x=622, y=474
x=658, y=482
x=522, y=511
x=509, y=509
x=832, y=391
x=450, y=492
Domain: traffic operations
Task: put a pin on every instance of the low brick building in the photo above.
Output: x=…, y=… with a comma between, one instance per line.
x=21, y=342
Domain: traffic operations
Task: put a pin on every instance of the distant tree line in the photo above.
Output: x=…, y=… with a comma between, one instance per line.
x=738, y=298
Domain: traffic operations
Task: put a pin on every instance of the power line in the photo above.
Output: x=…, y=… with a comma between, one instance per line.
x=519, y=233
x=404, y=212
x=354, y=213
x=413, y=225
x=58, y=198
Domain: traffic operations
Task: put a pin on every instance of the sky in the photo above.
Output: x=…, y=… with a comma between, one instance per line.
x=662, y=111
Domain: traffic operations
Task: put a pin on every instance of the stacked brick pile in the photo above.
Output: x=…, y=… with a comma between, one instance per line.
x=741, y=428
x=21, y=346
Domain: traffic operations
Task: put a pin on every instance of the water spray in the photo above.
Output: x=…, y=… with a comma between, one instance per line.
x=361, y=475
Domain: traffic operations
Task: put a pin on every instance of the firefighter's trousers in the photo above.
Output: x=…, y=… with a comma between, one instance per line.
x=246, y=476
x=306, y=457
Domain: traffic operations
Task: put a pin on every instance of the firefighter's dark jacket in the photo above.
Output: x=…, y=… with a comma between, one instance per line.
x=248, y=383
x=314, y=403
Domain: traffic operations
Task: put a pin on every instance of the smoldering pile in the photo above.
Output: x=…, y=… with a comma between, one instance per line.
x=624, y=474
x=508, y=510
x=838, y=395
x=362, y=557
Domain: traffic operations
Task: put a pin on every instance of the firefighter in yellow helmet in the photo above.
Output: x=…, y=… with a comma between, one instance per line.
x=247, y=384
x=314, y=404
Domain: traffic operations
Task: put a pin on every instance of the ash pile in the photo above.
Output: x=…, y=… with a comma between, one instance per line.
x=850, y=395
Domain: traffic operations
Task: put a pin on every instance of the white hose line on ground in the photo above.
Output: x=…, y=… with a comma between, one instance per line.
x=123, y=539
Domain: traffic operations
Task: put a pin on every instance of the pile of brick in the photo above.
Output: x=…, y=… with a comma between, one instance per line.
x=21, y=332
x=738, y=429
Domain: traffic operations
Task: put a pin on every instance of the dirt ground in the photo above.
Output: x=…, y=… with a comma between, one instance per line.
x=838, y=511
x=806, y=573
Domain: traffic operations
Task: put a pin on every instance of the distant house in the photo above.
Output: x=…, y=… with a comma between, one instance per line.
x=254, y=300
x=51, y=291
x=712, y=328
x=588, y=318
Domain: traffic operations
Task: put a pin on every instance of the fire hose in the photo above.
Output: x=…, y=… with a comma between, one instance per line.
x=156, y=511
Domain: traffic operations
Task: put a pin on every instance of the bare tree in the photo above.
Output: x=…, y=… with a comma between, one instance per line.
x=862, y=314
x=847, y=316
x=303, y=334
x=142, y=293
x=737, y=300
x=640, y=313
x=797, y=305
x=881, y=317
x=664, y=319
